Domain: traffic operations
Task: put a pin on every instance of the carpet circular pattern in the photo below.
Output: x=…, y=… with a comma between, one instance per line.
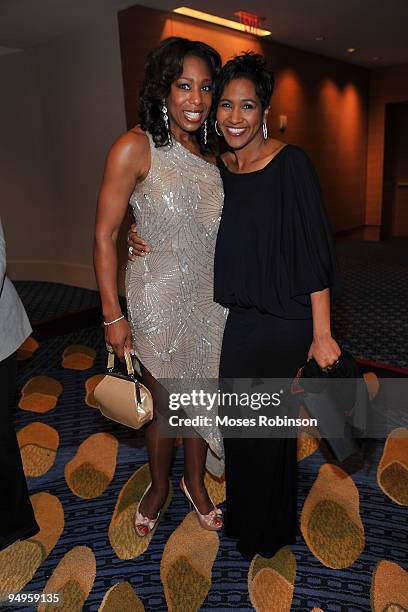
x=40, y=394
x=389, y=588
x=38, y=444
x=271, y=582
x=121, y=597
x=72, y=579
x=330, y=521
x=392, y=473
x=186, y=565
x=20, y=561
x=78, y=357
x=90, y=385
x=27, y=349
x=123, y=538
x=91, y=470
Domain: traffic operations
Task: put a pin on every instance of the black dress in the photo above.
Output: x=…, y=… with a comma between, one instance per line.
x=273, y=249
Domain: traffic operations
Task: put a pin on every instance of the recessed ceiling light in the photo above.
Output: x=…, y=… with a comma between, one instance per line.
x=235, y=25
x=320, y=38
x=351, y=50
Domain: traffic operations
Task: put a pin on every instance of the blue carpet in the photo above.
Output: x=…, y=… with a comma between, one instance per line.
x=370, y=317
x=43, y=300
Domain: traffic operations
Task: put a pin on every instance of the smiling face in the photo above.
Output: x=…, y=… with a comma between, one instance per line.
x=190, y=97
x=240, y=114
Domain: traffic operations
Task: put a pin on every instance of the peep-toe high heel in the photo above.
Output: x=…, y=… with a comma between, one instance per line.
x=143, y=524
x=211, y=521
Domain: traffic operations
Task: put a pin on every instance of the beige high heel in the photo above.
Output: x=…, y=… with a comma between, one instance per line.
x=211, y=521
x=143, y=524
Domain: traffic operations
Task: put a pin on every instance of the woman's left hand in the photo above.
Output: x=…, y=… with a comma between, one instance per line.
x=325, y=351
x=137, y=247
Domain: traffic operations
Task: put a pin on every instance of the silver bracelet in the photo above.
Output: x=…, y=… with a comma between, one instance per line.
x=112, y=322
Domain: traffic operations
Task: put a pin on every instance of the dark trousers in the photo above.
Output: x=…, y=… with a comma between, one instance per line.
x=17, y=520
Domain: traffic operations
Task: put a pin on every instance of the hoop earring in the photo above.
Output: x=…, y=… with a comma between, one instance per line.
x=216, y=128
x=265, y=130
x=205, y=132
x=166, y=120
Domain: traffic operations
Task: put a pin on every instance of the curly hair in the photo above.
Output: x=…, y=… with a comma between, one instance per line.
x=164, y=65
x=250, y=66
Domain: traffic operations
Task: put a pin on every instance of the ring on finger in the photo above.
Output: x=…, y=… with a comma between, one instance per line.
x=130, y=249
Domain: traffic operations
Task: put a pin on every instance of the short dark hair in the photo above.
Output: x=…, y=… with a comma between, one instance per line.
x=250, y=66
x=164, y=65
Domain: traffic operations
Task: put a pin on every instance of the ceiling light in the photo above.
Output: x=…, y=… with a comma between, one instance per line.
x=320, y=38
x=228, y=23
x=351, y=50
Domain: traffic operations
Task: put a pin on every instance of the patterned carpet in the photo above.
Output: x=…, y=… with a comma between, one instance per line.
x=44, y=300
x=370, y=317
x=333, y=571
x=86, y=475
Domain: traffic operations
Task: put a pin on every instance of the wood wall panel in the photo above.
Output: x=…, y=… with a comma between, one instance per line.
x=387, y=85
x=325, y=101
x=395, y=193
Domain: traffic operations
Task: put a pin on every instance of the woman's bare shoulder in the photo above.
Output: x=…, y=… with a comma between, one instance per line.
x=134, y=140
x=131, y=149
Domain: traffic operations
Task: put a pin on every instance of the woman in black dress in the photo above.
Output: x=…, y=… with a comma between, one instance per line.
x=276, y=282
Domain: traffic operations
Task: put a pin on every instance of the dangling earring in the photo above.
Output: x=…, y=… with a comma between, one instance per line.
x=205, y=132
x=216, y=128
x=265, y=130
x=166, y=120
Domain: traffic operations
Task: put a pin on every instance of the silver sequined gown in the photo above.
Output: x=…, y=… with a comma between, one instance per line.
x=177, y=328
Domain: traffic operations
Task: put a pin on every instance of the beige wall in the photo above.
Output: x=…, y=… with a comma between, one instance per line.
x=64, y=106
x=26, y=189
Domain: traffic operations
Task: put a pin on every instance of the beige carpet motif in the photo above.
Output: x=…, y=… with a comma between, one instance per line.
x=271, y=581
x=90, y=472
x=392, y=472
x=121, y=597
x=40, y=394
x=122, y=535
x=330, y=521
x=78, y=357
x=27, y=349
x=20, y=561
x=186, y=565
x=389, y=588
x=38, y=444
x=72, y=579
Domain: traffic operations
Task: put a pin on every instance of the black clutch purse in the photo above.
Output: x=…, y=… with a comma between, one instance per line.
x=337, y=397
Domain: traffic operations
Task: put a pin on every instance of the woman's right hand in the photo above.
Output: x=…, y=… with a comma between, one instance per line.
x=137, y=247
x=119, y=336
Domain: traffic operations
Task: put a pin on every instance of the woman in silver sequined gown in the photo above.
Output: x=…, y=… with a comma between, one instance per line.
x=174, y=326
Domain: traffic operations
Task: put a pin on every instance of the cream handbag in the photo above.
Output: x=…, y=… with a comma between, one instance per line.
x=123, y=398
